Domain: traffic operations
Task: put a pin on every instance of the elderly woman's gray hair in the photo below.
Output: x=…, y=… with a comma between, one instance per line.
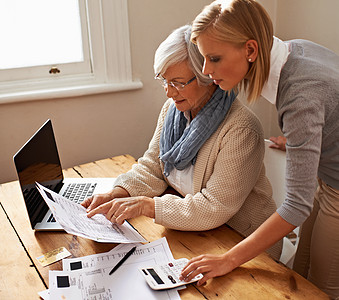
x=177, y=48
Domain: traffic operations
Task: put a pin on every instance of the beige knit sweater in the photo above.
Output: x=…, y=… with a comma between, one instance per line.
x=229, y=182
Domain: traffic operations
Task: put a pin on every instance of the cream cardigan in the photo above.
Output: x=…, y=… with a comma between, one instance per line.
x=229, y=181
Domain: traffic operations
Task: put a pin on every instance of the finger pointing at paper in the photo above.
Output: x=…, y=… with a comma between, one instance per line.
x=120, y=209
x=98, y=199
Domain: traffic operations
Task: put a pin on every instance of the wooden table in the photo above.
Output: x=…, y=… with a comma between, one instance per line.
x=21, y=277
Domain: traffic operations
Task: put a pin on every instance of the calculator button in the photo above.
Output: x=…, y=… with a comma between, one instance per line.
x=171, y=278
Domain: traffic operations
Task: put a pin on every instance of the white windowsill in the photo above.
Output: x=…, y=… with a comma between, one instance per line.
x=65, y=92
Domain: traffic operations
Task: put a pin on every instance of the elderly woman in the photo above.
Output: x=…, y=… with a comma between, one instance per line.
x=207, y=146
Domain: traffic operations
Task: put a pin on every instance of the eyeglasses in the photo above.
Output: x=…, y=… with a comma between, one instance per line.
x=178, y=85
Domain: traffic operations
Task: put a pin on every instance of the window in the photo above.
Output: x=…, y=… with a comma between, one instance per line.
x=69, y=48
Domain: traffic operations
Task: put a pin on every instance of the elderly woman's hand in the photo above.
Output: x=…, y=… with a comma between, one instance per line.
x=118, y=210
x=98, y=199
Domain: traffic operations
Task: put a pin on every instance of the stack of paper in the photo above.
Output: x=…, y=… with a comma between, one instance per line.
x=88, y=277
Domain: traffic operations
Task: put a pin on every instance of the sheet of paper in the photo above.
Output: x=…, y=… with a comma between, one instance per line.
x=112, y=257
x=44, y=294
x=87, y=277
x=95, y=283
x=73, y=218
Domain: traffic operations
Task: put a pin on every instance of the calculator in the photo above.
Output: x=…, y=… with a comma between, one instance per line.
x=166, y=276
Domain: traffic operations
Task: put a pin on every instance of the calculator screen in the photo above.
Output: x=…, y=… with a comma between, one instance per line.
x=155, y=276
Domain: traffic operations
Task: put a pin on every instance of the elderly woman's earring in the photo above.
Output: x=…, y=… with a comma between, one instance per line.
x=250, y=59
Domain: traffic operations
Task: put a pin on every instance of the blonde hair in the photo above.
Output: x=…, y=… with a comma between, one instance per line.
x=236, y=22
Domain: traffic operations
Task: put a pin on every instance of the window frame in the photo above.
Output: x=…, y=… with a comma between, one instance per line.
x=110, y=61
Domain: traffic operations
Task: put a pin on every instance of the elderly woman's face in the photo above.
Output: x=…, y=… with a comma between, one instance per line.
x=192, y=97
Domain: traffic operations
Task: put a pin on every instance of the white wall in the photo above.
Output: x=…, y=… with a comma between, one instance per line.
x=314, y=20
x=99, y=126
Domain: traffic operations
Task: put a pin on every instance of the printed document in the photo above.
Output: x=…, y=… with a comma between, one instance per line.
x=73, y=218
x=88, y=277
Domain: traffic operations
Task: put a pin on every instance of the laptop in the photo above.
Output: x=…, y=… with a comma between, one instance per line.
x=38, y=161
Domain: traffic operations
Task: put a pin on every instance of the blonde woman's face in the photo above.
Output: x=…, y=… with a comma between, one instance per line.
x=225, y=63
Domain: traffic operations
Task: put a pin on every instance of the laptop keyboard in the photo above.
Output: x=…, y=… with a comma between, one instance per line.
x=77, y=192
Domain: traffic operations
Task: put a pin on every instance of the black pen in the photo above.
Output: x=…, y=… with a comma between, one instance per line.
x=127, y=255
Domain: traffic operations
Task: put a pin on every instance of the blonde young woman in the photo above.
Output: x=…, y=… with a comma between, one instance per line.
x=302, y=79
x=207, y=146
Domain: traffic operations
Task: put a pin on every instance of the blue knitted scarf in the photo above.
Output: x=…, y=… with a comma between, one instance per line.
x=179, y=144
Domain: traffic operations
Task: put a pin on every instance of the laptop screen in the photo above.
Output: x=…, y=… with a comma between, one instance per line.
x=38, y=160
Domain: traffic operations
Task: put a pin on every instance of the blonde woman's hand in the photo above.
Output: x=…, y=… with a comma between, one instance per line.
x=279, y=142
x=207, y=264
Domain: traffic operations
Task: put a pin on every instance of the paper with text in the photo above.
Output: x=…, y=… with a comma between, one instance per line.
x=87, y=277
x=73, y=218
x=110, y=258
